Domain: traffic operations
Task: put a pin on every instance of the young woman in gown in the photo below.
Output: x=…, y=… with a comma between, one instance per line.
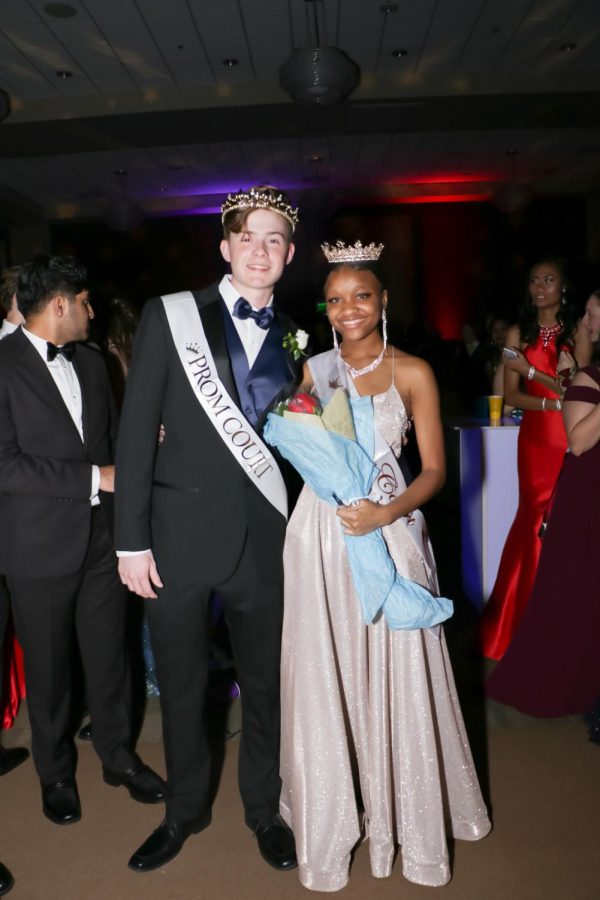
x=552, y=667
x=373, y=741
x=547, y=342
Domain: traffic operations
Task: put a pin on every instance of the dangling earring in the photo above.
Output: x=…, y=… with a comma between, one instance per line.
x=384, y=328
x=336, y=346
x=564, y=297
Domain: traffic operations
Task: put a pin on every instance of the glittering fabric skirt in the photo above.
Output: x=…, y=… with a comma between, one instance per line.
x=373, y=741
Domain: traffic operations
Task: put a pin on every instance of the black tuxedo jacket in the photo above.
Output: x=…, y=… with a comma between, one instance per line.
x=187, y=498
x=45, y=467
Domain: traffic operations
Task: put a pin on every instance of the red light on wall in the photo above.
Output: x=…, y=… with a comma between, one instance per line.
x=443, y=178
x=444, y=198
x=449, y=287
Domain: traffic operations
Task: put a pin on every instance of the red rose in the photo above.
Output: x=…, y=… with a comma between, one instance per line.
x=304, y=403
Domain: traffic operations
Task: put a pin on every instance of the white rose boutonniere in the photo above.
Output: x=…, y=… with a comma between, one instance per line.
x=296, y=344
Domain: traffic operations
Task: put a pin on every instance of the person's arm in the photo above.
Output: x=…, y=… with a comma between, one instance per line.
x=7, y=328
x=518, y=369
x=14, y=315
x=582, y=420
x=306, y=385
x=136, y=450
x=498, y=388
x=583, y=346
x=425, y=406
x=34, y=475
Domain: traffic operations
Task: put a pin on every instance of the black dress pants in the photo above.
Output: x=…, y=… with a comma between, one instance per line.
x=179, y=627
x=46, y=612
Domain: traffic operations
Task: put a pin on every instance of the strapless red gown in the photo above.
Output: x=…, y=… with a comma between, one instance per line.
x=541, y=450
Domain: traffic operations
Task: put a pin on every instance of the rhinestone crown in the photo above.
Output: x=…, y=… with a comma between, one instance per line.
x=341, y=252
x=256, y=199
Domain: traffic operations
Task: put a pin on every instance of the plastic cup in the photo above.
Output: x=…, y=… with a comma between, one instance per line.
x=495, y=404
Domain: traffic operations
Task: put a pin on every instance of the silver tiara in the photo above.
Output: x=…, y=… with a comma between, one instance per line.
x=254, y=199
x=352, y=253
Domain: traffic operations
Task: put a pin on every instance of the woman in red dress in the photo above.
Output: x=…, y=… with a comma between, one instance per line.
x=12, y=677
x=547, y=341
x=552, y=667
x=12, y=681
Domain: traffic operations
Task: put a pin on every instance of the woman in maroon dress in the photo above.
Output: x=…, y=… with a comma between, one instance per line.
x=545, y=340
x=552, y=667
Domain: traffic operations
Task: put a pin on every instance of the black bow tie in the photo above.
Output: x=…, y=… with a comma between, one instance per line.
x=263, y=317
x=67, y=350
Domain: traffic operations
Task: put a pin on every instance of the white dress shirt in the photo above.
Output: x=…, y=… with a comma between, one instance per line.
x=66, y=380
x=251, y=336
x=7, y=328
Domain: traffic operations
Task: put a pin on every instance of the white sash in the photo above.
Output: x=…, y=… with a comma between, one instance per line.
x=329, y=373
x=231, y=425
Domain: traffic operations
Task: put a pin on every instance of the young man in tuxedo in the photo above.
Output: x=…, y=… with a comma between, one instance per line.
x=205, y=511
x=57, y=426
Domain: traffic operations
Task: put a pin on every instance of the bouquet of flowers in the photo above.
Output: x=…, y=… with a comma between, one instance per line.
x=332, y=449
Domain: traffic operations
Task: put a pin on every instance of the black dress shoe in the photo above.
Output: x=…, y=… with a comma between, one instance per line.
x=85, y=732
x=165, y=843
x=61, y=802
x=6, y=880
x=11, y=758
x=143, y=784
x=276, y=843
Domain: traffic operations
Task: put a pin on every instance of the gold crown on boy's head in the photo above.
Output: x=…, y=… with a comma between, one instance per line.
x=257, y=198
x=341, y=252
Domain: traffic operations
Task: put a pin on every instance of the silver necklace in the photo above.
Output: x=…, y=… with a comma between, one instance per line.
x=356, y=373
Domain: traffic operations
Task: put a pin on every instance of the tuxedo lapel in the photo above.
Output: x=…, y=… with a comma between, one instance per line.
x=37, y=374
x=212, y=322
x=84, y=386
x=275, y=373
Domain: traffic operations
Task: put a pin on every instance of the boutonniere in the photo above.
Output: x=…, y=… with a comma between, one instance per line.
x=296, y=343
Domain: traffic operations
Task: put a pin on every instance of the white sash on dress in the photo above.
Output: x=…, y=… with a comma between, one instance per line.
x=230, y=424
x=329, y=373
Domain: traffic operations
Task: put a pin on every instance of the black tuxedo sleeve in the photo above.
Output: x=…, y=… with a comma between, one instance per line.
x=31, y=475
x=138, y=432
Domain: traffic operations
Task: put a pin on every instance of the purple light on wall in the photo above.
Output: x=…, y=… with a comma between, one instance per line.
x=201, y=211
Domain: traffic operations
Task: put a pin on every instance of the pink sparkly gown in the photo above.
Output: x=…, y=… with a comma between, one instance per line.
x=373, y=741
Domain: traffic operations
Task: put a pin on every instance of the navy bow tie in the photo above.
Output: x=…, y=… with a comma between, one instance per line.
x=67, y=350
x=263, y=317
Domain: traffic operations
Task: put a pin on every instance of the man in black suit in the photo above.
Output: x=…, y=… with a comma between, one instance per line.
x=57, y=426
x=205, y=511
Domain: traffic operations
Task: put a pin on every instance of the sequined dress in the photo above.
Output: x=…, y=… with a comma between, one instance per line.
x=373, y=741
